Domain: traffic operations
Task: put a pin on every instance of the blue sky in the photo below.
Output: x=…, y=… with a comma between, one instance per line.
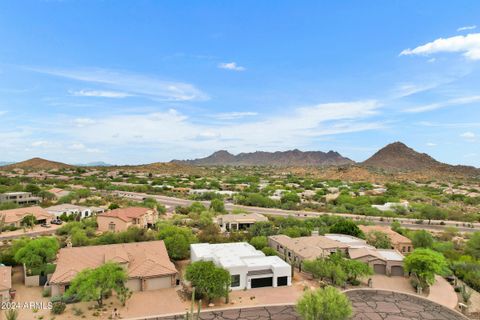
x=144, y=81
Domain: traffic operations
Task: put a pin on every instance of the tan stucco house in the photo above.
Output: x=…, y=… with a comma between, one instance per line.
x=13, y=217
x=304, y=248
x=399, y=242
x=382, y=261
x=239, y=222
x=121, y=219
x=147, y=264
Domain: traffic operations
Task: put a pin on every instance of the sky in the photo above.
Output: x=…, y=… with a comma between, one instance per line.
x=131, y=82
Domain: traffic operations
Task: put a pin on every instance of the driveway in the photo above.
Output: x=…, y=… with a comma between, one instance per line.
x=36, y=231
x=443, y=293
x=400, y=284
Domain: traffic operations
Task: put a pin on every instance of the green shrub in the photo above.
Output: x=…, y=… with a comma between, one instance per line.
x=77, y=311
x=58, y=307
x=46, y=292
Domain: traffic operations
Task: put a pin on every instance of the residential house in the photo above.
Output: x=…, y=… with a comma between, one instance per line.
x=5, y=283
x=239, y=222
x=348, y=240
x=121, y=219
x=299, y=249
x=391, y=206
x=20, y=198
x=382, y=261
x=399, y=242
x=248, y=267
x=69, y=209
x=13, y=217
x=58, y=193
x=147, y=264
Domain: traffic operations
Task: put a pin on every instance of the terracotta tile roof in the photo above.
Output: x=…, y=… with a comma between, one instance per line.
x=5, y=278
x=126, y=214
x=142, y=259
x=15, y=215
x=56, y=190
x=395, y=237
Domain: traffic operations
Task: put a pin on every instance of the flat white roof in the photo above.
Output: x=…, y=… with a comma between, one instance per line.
x=344, y=238
x=235, y=254
x=392, y=255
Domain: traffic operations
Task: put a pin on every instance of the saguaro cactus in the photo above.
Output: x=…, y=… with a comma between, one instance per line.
x=190, y=315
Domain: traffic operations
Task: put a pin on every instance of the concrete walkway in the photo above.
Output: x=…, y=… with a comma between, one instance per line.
x=443, y=293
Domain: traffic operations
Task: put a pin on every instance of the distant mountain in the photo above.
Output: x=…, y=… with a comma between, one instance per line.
x=37, y=164
x=95, y=164
x=399, y=157
x=5, y=163
x=279, y=158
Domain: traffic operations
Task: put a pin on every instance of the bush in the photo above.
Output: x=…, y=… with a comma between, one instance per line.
x=58, y=307
x=77, y=311
x=269, y=251
x=259, y=242
x=46, y=292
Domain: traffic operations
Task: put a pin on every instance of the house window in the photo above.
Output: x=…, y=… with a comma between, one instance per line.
x=403, y=249
x=111, y=226
x=235, y=281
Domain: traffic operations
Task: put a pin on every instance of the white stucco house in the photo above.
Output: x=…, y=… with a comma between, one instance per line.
x=69, y=209
x=390, y=206
x=249, y=268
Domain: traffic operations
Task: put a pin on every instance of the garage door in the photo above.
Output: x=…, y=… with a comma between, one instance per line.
x=262, y=282
x=380, y=268
x=397, y=271
x=134, y=284
x=158, y=283
x=282, y=281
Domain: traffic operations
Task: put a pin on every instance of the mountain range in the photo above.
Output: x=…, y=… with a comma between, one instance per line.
x=279, y=158
x=395, y=157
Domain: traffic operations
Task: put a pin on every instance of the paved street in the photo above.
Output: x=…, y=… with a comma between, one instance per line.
x=388, y=305
x=36, y=231
x=408, y=223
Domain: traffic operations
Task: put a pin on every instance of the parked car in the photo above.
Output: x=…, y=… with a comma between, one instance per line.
x=56, y=221
x=45, y=225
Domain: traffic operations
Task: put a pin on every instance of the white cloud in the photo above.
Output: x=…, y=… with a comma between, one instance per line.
x=465, y=28
x=231, y=66
x=469, y=136
x=76, y=146
x=100, y=94
x=234, y=115
x=407, y=89
x=40, y=143
x=448, y=103
x=82, y=147
x=431, y=144
x=82, y=122
x=468, y=45
x=172, y=130
x=135, y=84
